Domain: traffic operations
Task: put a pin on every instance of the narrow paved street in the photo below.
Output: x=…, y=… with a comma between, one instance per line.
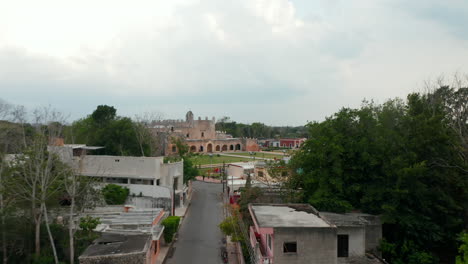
x=199, y=238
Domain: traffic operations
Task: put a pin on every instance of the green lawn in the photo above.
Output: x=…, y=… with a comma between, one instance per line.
x=205, y=159
x=259, y=155
x=210, y=171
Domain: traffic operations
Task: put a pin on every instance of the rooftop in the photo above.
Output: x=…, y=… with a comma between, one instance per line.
x=287, y=215
x=134, y=221
x=111, y=243
x=350, y=219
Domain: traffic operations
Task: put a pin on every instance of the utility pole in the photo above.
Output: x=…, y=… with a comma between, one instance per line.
x=223, y=180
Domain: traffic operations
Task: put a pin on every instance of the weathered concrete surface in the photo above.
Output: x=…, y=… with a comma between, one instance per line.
x=199, y=239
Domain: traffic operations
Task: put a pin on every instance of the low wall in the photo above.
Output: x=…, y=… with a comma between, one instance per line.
x=131, y=258
x=149, y=202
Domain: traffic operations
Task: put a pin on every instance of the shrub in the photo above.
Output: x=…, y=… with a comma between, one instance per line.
x=115, y=194
x=171, y=224
x=89, y=223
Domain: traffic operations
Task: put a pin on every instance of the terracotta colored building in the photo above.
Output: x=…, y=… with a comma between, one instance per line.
x=201, y=136
x=291, y=142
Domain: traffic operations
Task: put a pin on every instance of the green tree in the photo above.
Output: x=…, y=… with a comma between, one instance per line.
x=402, y=160
x=115, y=194
x=103, y=115
x=190, y=171
x=118, y=135
x=463, y=249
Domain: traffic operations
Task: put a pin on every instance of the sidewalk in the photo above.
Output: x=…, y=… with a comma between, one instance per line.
x=180, y=211
x=232, y=251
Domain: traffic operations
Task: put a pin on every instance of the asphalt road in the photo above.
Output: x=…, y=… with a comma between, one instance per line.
x=199, y=238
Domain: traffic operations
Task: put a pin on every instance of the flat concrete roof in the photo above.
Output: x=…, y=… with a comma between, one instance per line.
x=110, y=244
x=287, y=215
x=351, y=219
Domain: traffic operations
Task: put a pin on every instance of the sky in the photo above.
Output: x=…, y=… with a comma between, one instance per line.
x=275, y=61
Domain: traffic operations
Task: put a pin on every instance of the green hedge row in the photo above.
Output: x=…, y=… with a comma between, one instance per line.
x=171, y=224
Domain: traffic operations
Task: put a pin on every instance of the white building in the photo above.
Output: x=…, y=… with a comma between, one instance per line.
x=240, y=170
x=143, y=176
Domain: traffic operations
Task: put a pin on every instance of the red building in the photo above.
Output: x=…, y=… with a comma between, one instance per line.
x=291, y=142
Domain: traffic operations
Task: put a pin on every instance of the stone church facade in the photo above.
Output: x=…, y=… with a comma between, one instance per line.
x=201, y=136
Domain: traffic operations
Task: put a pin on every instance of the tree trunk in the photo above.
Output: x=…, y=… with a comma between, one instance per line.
x=37, y=242
x=46, y=218
x=4, y=242
x=2, y=213
x=70, y=231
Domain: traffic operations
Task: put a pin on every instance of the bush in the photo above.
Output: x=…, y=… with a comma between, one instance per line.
x=115, y=194
x=89, y=223
x=171, y=224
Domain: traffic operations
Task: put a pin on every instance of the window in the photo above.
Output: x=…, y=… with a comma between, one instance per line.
x=202, y=134
x=260, y=173
x=188, y=135
x=157, y=182
x=343, y=246
x=117, y=180
x=290, y=247
x=174, y=149
x=268, y=237
x=141, y=181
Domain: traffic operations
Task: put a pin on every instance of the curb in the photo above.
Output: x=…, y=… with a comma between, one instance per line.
x=176, y=235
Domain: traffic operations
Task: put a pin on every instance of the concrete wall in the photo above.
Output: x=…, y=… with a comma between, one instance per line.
x=314, y=245
x=149, y=202
x=357, y=239
x=117, y=166
x=373, y=236
x=169, y=171
x=235, y=171
x=134, y=258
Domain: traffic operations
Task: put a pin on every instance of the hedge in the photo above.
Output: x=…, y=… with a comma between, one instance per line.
x=171, y=224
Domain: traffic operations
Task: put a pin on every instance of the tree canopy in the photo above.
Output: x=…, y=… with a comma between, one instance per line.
x=405, y=160
x=118, y=135
x=258, y=130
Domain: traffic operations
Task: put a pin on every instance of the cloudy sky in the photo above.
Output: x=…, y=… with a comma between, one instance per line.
x=276, y=61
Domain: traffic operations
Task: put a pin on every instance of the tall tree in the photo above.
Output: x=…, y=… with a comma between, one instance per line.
x=402, y=160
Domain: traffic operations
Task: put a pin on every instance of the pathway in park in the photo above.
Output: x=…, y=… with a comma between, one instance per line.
x=199, y=239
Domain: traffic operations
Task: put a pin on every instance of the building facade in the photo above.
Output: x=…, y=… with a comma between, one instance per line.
x=298, y=233
x=200, y=135
x=291, y=142
x=143, y=176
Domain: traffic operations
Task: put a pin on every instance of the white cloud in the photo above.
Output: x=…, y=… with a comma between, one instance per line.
x=279, y=61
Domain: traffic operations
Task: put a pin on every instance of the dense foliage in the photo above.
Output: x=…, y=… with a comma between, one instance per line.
x=115, y=194
x=171, y=224
x=259, y=130
x=463, y=249
x=118, y=135
x=405, y=160
x=190, y=171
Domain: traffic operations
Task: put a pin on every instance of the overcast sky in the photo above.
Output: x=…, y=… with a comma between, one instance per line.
x=275, y=61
